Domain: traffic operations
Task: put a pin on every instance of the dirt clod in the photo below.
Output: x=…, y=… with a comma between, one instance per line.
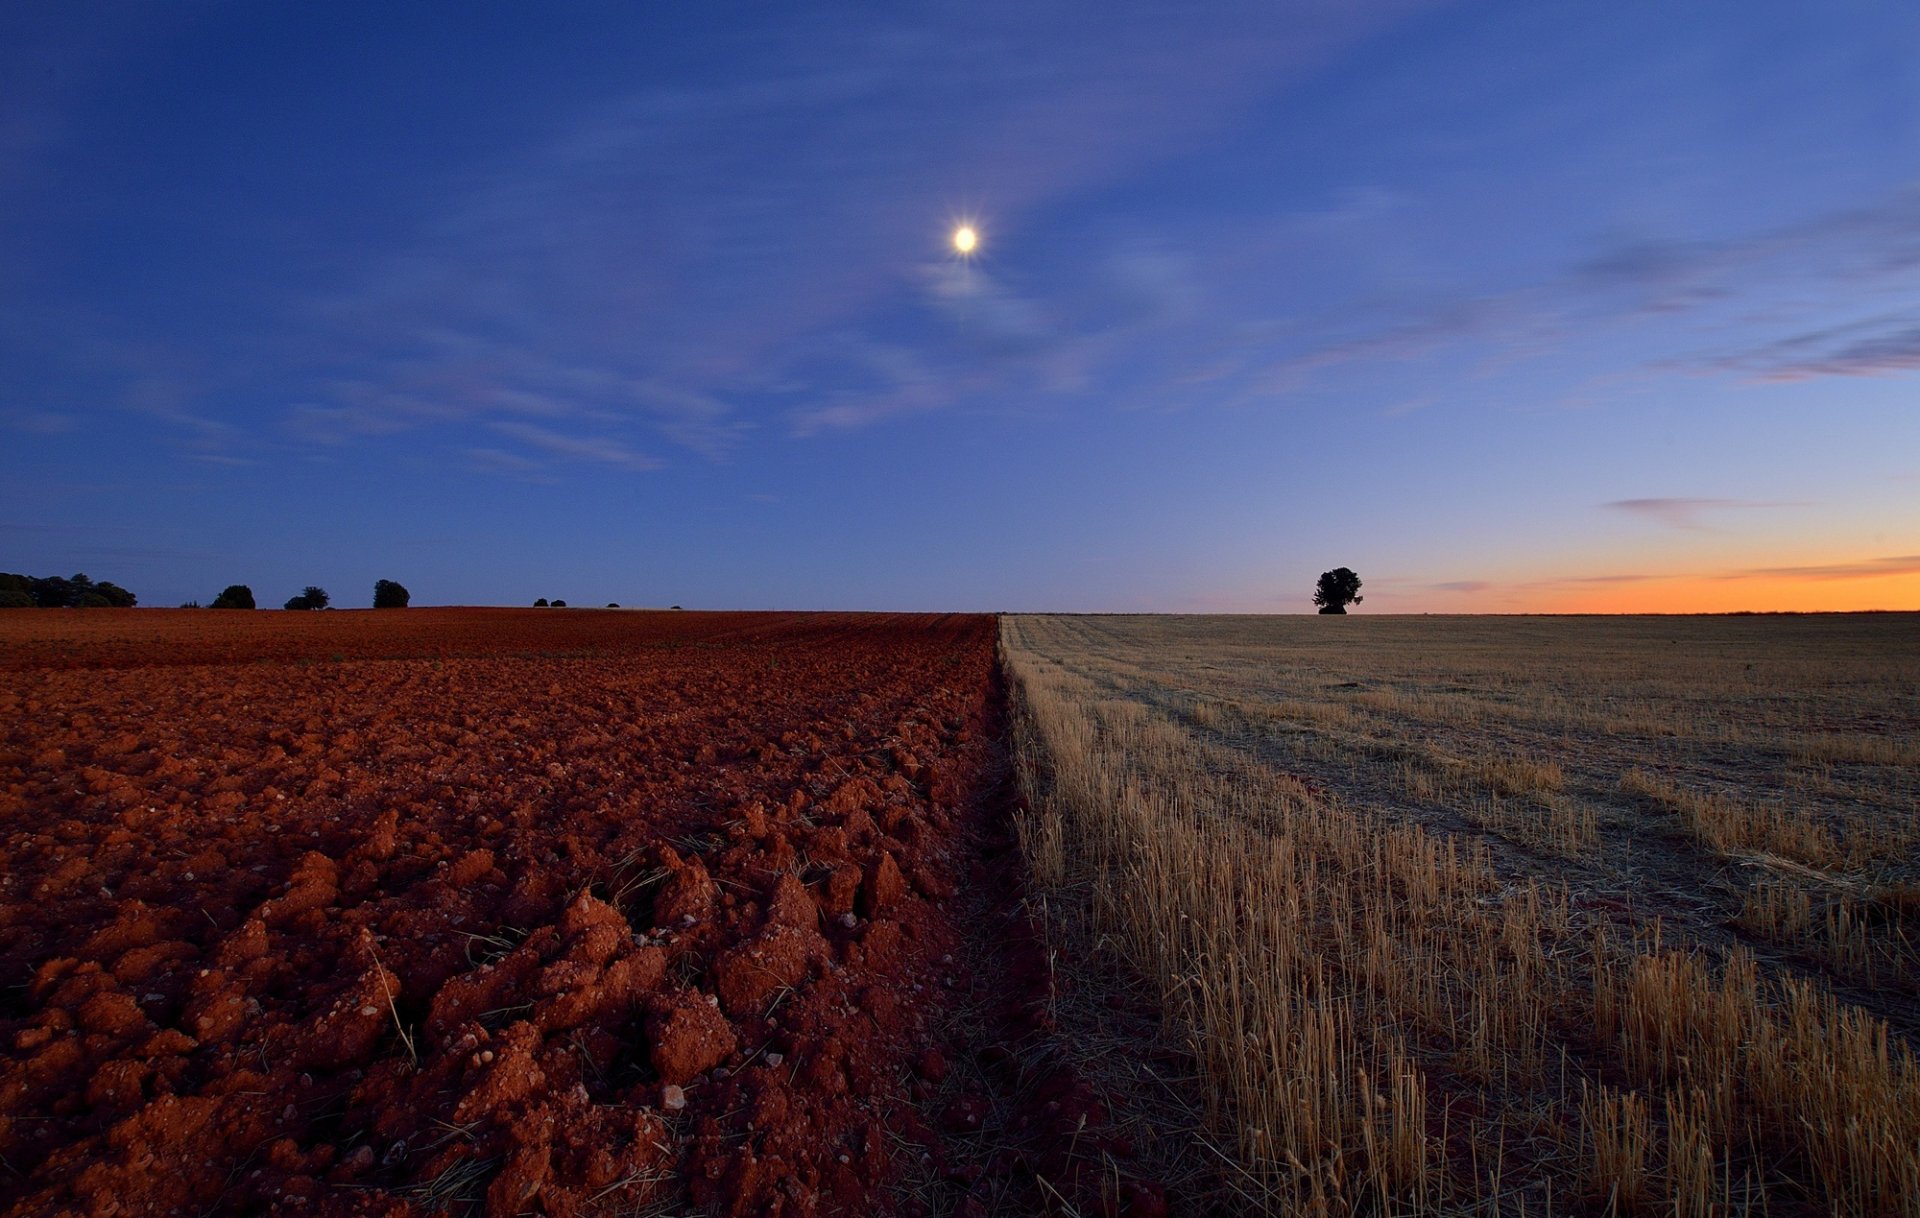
x=492, y=910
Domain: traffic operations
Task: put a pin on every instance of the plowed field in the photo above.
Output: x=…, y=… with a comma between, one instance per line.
x=514, y=911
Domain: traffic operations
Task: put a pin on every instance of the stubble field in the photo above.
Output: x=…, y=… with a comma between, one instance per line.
x=582, y=912
x=1505, y=915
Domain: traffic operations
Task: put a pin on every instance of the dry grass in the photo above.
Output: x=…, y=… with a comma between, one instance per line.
x=1730, y=825
x=1857, y=749
x=1389, y=1017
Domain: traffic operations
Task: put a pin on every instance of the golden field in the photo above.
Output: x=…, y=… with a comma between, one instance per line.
x=1500, y=915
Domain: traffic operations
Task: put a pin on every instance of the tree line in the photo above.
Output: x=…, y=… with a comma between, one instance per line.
x=387, y=594
x=79, y=592
x=52, y=592
x=1336, y=590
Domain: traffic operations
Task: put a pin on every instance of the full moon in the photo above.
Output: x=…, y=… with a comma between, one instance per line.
x=964, y=239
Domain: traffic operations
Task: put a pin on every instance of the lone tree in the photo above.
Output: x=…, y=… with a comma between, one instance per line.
x=1337, y=589
x=541, y=603
x=311, y=597
x=237, y=596
x=389, y=595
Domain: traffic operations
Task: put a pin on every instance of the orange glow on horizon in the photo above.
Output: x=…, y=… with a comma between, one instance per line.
x=1705, y=594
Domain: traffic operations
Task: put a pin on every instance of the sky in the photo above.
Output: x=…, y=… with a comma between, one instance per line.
x=1509, y=307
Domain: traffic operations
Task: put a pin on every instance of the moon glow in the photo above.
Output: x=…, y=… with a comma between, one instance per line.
x=965, y=239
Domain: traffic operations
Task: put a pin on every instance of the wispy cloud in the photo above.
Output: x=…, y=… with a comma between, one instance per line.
x=1730, y=285
x=1618, y=578
x=850, y=381
x=38, y=422
x=507, y=464
x=1870, y=568
x=453, y=381
x=1862, y=245
x=990, y=340
x=1859, y=569
x=1585, y=581
x=1689, y=513
x=986, y=313
x=601, y=449
x=339, y=424
x=1885, y=350
x=172, y=401
x=679, y=240
x=697, y=421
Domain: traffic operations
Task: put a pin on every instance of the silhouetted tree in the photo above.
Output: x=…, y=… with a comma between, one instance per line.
x=1337, y=589
x=236, y=596
x=389, y=595
x=541, y=603
x=613, y=604
x=311, y=597
x=115, y=595
x=73, y=592
x=559, y=604
x=52, y=592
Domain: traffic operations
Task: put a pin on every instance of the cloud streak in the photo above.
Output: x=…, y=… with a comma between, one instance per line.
x=1664, y=586
x=1890, y=351
x=507, y=464
x=675, y=242
x=1689, y=513
x=38, y=422
x=1871, y=568
x=1839, y=257
x=603, y=450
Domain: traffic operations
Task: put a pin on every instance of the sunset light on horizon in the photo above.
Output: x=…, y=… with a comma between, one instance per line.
x=1785, y=592
x=1510, y=309
x=1239, y=608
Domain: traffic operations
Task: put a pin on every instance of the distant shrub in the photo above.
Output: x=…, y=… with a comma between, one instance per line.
x=311, y=597
x=541, y=603
x=559, y=604
x=389, y=595
x=236, y=596
x=613, y=604
x=190, y=604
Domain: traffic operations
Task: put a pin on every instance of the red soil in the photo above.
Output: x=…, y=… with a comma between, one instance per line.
x=518, y=911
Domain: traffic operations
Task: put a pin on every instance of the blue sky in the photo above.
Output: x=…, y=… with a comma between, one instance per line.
x=1504, y=305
